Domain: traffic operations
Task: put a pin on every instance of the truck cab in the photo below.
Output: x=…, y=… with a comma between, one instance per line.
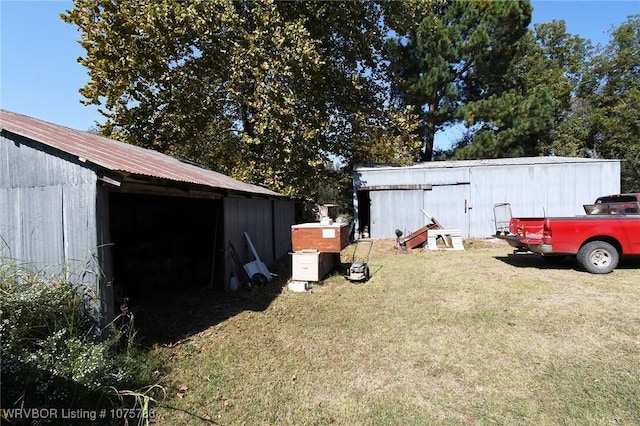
x=615, y=204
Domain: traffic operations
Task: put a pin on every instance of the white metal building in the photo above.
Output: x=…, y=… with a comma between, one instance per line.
x=462, y=194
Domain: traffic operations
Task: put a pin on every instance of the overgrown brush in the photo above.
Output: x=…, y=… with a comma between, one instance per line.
x=56, y=355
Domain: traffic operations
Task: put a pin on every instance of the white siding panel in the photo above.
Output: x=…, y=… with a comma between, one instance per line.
x=446, y=203
x=533, y=186
x=535, y=190
x=391, y=210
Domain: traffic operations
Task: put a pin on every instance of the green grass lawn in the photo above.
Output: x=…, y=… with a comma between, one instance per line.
x=448, y=337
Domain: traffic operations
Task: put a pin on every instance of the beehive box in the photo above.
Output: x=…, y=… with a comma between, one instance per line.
x=311, y=266
x=323, y=238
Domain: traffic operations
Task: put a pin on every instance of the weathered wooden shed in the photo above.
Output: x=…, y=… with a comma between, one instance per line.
x=127, y=221
x=462, y=194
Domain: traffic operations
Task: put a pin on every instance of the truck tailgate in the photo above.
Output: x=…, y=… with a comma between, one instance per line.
x=528, y=228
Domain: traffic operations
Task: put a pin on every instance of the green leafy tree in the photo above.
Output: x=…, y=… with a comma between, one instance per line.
x=607, y=116
x=264, y=91
x=445, y=54
x=539, y=88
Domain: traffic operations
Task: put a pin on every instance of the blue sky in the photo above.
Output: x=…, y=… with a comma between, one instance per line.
x=40, y=76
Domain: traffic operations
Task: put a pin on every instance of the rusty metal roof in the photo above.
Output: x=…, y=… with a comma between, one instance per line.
x=121, y=157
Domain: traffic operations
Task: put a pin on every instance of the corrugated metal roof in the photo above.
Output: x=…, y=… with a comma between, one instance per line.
x=519, y=161
x=121, y=157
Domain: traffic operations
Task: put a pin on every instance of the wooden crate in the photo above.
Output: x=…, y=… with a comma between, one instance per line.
x=323, y=238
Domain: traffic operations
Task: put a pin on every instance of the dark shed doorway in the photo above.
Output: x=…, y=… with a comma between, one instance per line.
x=164, y=246
x=364, y=210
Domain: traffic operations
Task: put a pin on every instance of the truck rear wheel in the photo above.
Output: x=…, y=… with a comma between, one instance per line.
x=598, y=257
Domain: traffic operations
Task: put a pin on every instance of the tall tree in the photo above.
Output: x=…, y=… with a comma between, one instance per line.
x=265, y=91
x=610, y=117
x=539, y=88
x=446, y=53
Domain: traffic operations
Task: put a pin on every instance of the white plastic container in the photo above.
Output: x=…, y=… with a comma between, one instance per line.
x=298, y=286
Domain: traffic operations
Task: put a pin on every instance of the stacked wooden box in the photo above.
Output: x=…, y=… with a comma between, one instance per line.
x=316, y=246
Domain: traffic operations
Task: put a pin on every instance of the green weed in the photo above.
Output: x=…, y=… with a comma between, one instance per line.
x=54, y=352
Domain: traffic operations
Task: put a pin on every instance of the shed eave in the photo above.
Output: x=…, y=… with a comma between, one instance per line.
x=497, y=162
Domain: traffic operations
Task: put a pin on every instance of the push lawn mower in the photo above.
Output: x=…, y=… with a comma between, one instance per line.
x=358, y=270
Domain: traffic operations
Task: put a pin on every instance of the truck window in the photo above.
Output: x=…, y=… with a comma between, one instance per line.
x=624, y=198
x=612, y=208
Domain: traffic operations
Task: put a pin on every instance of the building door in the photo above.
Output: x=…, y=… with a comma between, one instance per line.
x=363, y=211
x=450, y=204
x=396, y=209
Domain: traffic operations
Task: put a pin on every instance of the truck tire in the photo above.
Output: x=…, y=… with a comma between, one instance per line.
x=598, y=257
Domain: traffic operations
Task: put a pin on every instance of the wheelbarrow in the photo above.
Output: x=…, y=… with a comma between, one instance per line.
x=358, y=270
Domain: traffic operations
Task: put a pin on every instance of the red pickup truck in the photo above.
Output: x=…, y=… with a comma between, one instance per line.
x=610, y=229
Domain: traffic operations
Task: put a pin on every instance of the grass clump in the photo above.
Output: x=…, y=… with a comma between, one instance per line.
x=56, y=355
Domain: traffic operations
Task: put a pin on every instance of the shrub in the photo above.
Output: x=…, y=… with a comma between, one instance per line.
x=54, y=353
